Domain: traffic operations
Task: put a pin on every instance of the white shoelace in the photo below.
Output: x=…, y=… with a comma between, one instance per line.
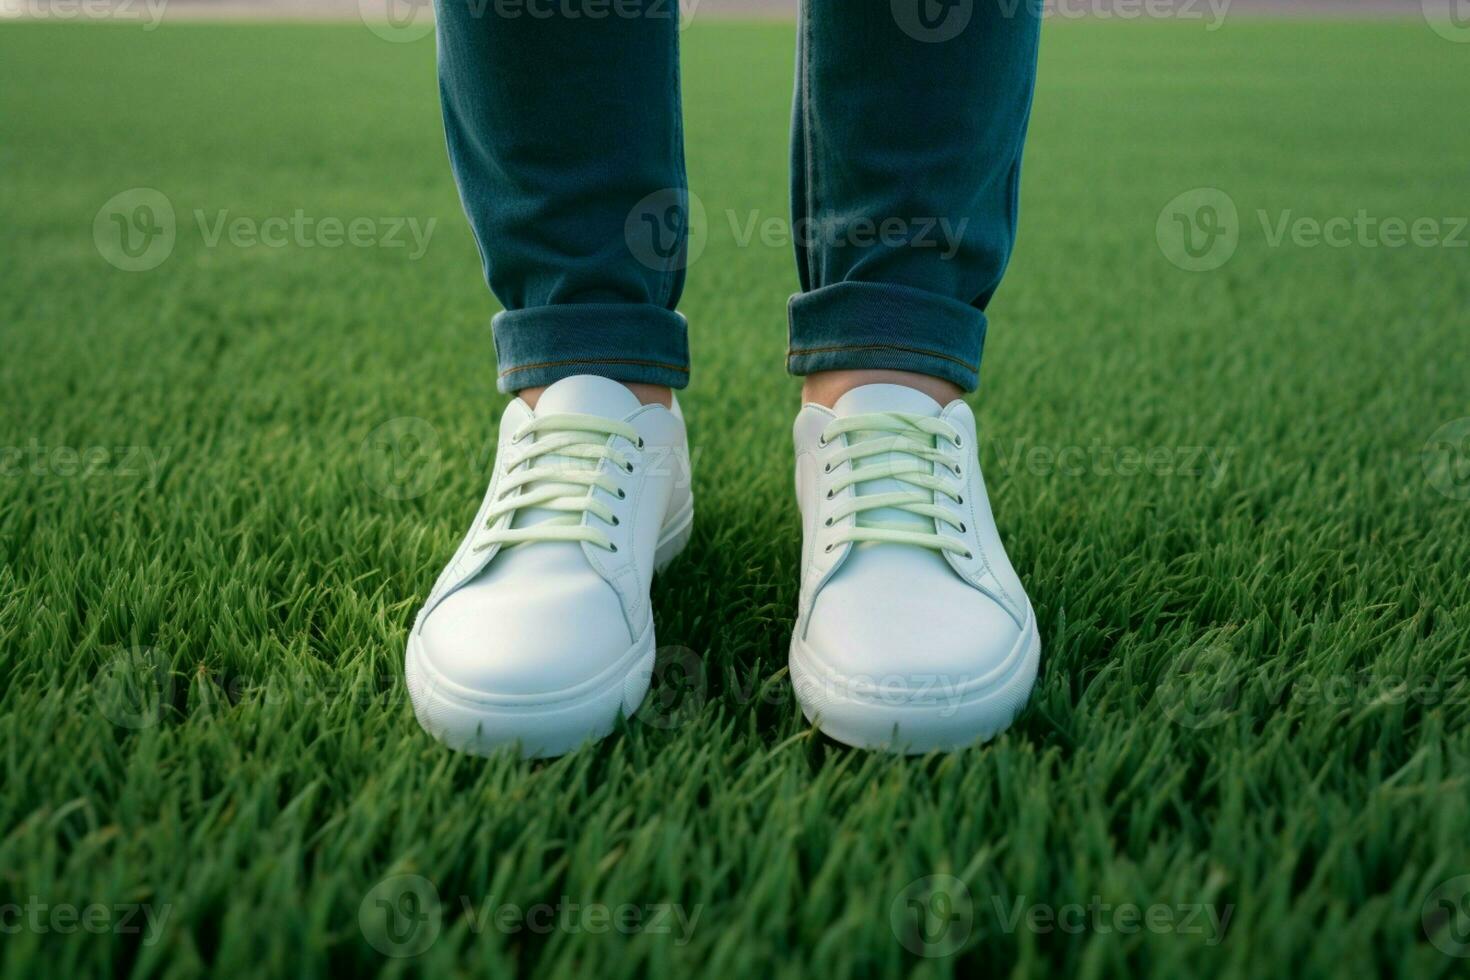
x=918, y=442
x=531, y=480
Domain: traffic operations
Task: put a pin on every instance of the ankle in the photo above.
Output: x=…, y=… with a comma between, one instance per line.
x=825, y=387
x=646, y=394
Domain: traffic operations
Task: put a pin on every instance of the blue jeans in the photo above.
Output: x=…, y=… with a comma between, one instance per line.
x=566, y=141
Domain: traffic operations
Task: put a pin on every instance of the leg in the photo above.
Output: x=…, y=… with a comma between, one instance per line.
x=906, y=148
x=564, y=134
x=912, y=631
x=566, y=142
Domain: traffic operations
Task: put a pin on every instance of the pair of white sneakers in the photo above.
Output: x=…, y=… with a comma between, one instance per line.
x=912, y=631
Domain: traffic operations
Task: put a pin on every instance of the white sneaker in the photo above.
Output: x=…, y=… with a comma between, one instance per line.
x=539, y=632
x=913, y=632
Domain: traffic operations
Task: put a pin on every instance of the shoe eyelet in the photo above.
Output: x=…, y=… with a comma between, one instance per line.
x=612, y=547
x=629, y=468
x=828, y=522
x=622, y=494
x=968, y=556
x=829, y=494
x=959, y=498
x=639, y=444
x=827, y=468
x=958, y=442
x=828, y=548
x=821, y=442
x=616, y=522
x=957, y=471
x=962, y=526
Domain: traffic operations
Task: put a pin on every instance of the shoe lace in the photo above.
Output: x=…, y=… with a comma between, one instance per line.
x=564, y=484
x=917, y=445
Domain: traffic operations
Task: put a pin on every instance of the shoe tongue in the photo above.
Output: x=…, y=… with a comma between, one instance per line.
x=582, y=394
x=586, y=394
x=886, y=398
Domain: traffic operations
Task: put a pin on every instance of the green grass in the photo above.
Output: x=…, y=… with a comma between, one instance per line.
x=1220, y=720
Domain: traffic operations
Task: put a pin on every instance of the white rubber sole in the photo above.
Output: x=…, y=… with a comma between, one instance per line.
x=545, y=725
x=913, y=715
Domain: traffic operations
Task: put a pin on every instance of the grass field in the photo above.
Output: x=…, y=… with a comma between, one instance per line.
x=1229, y=492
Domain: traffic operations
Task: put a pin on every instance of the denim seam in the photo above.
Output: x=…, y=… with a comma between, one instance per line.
x=807, y=139
x=671, y=274
x=1013, y=177
x=595, y=360
x=795, y=352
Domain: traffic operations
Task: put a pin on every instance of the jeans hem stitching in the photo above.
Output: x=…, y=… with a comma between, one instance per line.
x=596, y=360
x=795, y=352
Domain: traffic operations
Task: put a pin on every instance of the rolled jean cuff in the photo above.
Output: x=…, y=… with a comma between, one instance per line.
x=852, y=325
x=622, y=341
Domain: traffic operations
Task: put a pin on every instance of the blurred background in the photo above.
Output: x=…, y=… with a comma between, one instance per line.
x=404, y=9
x=247, y=404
